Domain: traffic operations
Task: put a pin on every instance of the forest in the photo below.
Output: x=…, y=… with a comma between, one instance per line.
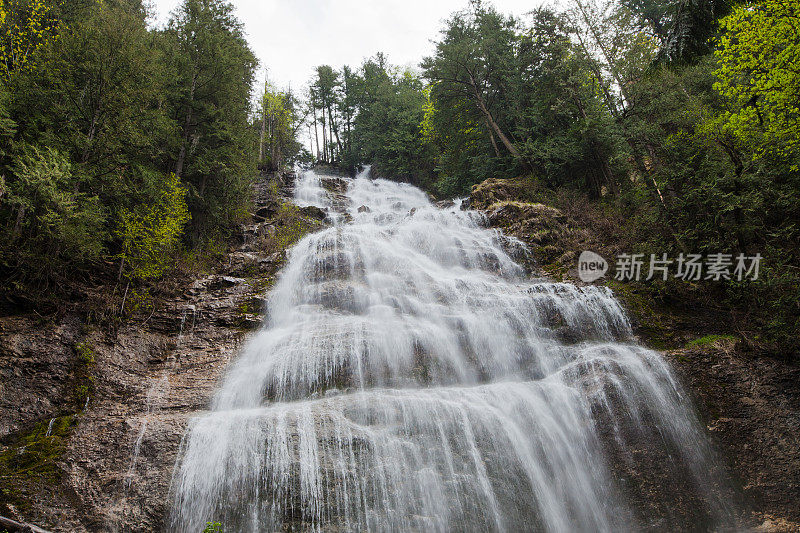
x=123, y=146
x=674, y=121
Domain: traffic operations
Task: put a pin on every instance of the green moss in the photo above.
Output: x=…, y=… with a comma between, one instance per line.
x=291, y=227
x=31, y=460
x=82, y=379
x=85, y=353
x=652, y=323
x=710, y=339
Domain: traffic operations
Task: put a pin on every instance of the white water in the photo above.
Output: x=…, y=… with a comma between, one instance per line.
x=411, y=376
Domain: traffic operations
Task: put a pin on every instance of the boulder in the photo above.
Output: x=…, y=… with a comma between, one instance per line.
x=494, y=190
x=335, y=185
x=314, y=212
x=445, y=204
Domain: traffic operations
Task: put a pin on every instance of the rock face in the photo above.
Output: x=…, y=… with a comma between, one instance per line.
x=749, y=402
x=493, y=190
x=120, y=398
x=554, y=240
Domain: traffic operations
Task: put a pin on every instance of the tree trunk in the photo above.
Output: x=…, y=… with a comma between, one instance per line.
x=263, y=131
x=494, y=141
x=13, y=525
x=316, y=131
x=490, y=119
x=335, y=131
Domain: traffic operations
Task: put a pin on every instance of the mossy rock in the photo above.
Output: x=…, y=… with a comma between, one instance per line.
x=29, y=461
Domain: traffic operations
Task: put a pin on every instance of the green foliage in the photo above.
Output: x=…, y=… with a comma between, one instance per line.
x=621, y=102
x=96, y=108
x=291, y=226
x=150, y=232
x=213, y=527
x=209, y=101
x=25, y=27
x=386, y=131
x=82, y=378
x=758, y=74
x=371, y=116
x=279, y=122
x=50, y=225
x=85, y=353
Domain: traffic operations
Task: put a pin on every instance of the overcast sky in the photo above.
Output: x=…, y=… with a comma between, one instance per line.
x=291, y=37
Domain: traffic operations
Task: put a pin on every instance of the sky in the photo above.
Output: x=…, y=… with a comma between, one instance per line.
x=291, y=37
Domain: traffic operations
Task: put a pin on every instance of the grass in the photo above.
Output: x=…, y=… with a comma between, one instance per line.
x=708, y=340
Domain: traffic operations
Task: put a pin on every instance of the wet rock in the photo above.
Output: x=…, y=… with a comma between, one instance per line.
x=334, y=185
x=544, y=229
x=364, y=209
x=445, y=204
x=223, y=282
x=314, y=212
x=250, y=321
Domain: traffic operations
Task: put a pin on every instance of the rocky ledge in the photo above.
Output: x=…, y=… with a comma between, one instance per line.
x=749, y=401
x=91, y=417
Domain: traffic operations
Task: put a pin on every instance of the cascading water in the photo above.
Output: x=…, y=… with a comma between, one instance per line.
x=412, y=376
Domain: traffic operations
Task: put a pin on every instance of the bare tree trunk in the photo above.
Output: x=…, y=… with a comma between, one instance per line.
x=494, y=142
x=324, y=138
x=335, y=130
x=316, y=132
x=490, y=119
x=18, y=223
x=263, y=131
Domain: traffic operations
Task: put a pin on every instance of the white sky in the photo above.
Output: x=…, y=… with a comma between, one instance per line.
x=291, y=37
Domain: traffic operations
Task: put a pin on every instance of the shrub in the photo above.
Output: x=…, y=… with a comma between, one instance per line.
x=150, y=232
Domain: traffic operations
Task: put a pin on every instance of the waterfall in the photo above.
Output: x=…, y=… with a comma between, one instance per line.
x=411, y=375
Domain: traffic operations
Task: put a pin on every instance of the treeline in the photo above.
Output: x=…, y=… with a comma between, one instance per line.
x=371, y=115
x=122, y=144
x=680, y=116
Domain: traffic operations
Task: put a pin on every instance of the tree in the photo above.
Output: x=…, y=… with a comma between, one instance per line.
x=383, y=108
x=210, y=102
x=149, y=232
x=98, y=93
x=471, y=61
x=325, y=91
x=758, y=74
x=54, y=228
x=280, y=121
x=25, y=27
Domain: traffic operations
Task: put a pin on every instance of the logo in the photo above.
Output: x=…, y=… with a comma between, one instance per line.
x=591, y=266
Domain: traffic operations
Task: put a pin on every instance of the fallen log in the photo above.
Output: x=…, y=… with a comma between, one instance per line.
x=19, y=527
